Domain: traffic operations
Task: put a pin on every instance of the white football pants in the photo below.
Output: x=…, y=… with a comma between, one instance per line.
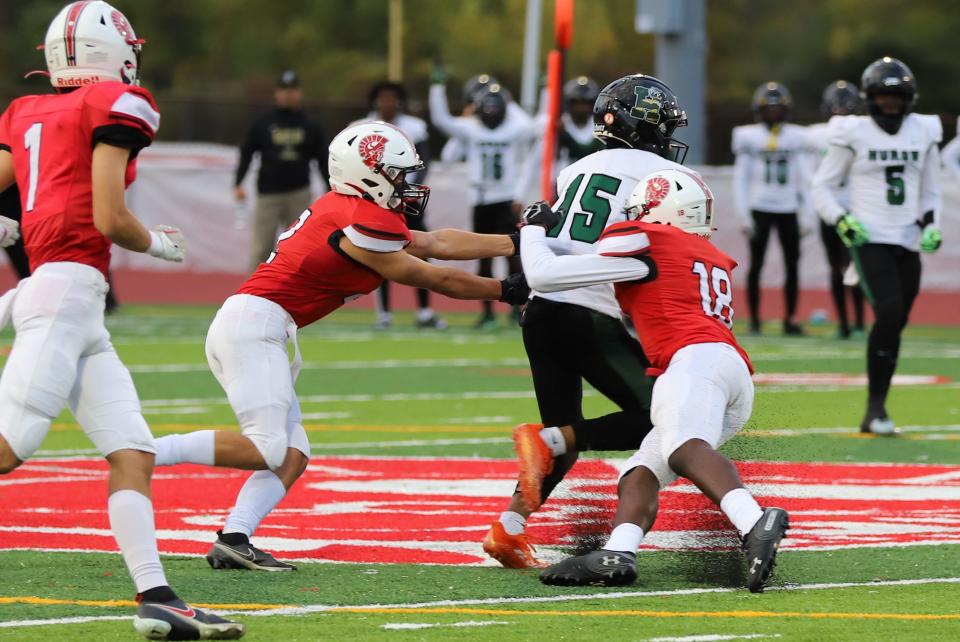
x=705, y=393
x=247, y=353
x=62, y=355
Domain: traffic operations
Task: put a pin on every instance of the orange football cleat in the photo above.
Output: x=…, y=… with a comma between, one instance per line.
x=535, y=459
x=513, y=551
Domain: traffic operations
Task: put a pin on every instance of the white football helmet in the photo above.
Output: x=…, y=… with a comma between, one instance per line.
x=371, y=160
x=673, y=197
x=91, y=42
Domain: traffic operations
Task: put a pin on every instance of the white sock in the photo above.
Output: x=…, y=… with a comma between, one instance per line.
x=741, y=509
x=513, y=523
x=625, y=538
x=424, y=314
x=262, y=491
x=189, y=448
x=131, y=519
x=554, y=438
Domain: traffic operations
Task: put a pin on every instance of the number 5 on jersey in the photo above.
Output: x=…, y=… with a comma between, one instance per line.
x=716, y=293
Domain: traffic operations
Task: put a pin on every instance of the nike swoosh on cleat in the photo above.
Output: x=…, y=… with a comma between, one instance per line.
x=188, y=612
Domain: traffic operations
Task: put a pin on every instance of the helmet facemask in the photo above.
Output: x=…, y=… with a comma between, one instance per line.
x=408, y=198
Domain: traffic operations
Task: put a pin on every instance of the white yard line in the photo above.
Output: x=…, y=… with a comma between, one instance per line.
x=326, y=608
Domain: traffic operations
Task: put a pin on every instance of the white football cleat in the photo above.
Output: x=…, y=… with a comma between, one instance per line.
x=881, y=426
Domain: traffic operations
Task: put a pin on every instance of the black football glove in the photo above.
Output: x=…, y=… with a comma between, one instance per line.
x=539, y=213
x=514, y=289
x=515, y=237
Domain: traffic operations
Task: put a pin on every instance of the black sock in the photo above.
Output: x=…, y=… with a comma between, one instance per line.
x=233, y=538
x=159, y=594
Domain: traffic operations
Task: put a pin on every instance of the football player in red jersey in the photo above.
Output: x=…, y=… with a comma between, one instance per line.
x=342, y=246
x=72, y=154
x=677, y=288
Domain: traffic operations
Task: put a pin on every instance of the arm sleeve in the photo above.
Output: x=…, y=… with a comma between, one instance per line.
x=247, y=150
x=828, y=178
x=441, y=117
x=547, y=272
x=931, y=198
x=741, y=177
x=453, y=151
x=950, y=156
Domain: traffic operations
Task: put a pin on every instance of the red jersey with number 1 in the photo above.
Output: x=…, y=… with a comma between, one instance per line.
x=308, y=275
x=52, y=138
x=688, y=297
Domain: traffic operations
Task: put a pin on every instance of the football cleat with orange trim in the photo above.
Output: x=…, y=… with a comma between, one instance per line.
x=536, y=462
x=512, y=551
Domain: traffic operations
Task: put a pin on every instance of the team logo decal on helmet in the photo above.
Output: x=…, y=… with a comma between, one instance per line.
x=122, y=24
x=371, y=149
x=657, y=189
x=648, y=103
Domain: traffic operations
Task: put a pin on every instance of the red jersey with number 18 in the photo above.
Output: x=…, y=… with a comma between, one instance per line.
x=52, y=138
x=686, y=299
x=308, y=275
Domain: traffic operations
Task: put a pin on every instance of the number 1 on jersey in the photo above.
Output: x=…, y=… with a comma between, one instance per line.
x=31, y=142
x=715, y=300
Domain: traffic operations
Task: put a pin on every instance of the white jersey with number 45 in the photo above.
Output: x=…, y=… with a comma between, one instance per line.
x=894, y=179
x=593, y=194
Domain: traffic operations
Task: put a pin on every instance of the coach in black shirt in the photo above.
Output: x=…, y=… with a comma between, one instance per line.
x=287, y=141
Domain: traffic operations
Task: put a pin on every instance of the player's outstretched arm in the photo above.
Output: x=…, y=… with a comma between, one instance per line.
x=405, y=268
x=111, y=216
x=459, y=245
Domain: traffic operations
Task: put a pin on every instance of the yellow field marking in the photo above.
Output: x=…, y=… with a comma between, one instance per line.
x=46, y=601
x=471, y=429
x=663, y=614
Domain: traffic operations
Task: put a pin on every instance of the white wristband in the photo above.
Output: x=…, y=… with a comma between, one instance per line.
x=156, y=244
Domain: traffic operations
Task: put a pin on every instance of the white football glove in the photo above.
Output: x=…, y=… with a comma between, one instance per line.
x=166, y=243
x=9, y=231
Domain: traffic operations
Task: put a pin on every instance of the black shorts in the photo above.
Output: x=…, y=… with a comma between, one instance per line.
x=567, y=344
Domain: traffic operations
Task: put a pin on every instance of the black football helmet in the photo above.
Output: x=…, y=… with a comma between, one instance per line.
x=640, y=112
x=492, y=106
x=475, y=86
x=772, y=94
x=888, y=76
x=580, y=88
x=841, y=98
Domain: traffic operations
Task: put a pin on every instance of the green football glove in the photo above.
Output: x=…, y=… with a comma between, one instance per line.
x=931, y=239
x=851, y=231
x=438, y=75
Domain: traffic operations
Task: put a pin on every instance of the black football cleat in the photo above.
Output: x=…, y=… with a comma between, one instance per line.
x=243, y=556
x=598, y=568
x=760, y=547
x=176, y=620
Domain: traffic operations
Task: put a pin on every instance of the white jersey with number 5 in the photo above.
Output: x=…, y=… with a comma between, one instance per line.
x=894, y=179
x=593, y=194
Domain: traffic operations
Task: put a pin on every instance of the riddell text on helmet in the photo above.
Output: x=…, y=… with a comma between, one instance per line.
x=77, y=82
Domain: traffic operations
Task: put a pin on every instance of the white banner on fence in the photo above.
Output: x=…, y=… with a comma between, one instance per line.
x=191, y=186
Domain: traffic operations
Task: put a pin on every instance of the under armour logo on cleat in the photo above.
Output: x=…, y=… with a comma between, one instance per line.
x=611, y=560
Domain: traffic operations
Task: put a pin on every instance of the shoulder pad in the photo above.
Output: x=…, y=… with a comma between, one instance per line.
x=740, y=139
x=623, y=239
x=840, y=130
x=933, y=125
x=376, y=229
